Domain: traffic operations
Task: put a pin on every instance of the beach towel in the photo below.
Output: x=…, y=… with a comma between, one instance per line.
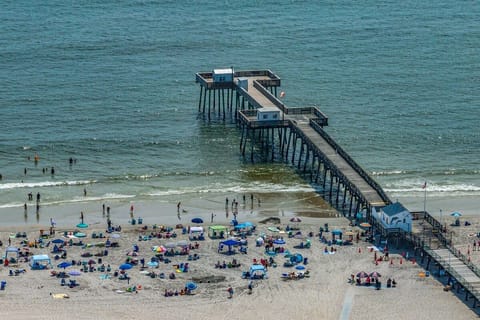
x=59, y=295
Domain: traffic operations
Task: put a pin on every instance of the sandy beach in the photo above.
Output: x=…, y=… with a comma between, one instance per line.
x=324, y=294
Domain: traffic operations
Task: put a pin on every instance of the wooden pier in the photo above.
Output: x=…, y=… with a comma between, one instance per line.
x=296, y=136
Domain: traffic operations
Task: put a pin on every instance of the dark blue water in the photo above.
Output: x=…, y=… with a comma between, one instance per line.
x=111, y=84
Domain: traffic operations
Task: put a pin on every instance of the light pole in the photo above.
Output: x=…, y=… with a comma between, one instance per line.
x=441, y=221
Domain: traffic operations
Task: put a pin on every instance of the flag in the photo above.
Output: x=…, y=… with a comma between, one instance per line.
x=424, y=185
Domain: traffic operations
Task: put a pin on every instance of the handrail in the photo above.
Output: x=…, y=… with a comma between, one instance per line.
x=329, y=164
x=353, y=164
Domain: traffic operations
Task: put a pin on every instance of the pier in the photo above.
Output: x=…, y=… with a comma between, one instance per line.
x=272, y=131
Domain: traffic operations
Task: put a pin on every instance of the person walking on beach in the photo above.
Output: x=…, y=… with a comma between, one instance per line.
x=81, y=216
x=38, y=197
x=178, y=207
x=131, y=211
x=230, y=292
x=84, y=192
x=103, y=209
x=211, y=219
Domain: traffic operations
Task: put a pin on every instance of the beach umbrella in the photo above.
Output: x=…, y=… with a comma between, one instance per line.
x=159, y=249
x=279, y=241
x=375, y=274
x=152, y=264
x=182, y=243
x=82, y=225
x=295, y=219
x=125, y=266
x=300, y=267
x=64, y=264
x=365, y=225
x=170, y=245
x=80, y=235
x=456, y=214
x=58, y=241
x=91, y=261
x=191, y=285
x=115, y=235
x=362, y=274
x=197, y=220
x=337, y=232
x=74, y=273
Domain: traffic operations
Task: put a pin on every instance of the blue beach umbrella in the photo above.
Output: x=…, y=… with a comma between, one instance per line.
x=279, y=241
x=82, y=225
x=74, y=273
x=64, y=264
x=191, y=285
x=197, y=220
x=337, y=232
x=456, y=214
x=300, y=267
x=125, y=266
x=58, y=241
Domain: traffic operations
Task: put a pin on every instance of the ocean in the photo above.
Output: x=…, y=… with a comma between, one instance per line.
x=111, y=84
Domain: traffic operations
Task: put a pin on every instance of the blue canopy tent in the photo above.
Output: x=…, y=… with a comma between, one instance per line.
x=40, y=261
x=258, y=271
x=12, y=253
x=229, y=243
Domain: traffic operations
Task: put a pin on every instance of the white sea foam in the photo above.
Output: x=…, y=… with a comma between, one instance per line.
x=41, y=184
x=250, y=188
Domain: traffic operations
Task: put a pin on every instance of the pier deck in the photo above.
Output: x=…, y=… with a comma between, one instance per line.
x=457, y=268
x=262, y=98
x=305, y=123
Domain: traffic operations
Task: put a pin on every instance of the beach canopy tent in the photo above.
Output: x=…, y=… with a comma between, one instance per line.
x=244, y=225
x=11, y=253
x=229, y=244
x=216, y=232
x=196, y=230
x=40, y=262
x=257, y=271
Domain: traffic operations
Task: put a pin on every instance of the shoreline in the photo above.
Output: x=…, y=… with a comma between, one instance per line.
x=272, y=204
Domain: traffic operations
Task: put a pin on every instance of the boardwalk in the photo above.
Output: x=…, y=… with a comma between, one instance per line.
x=457, y=269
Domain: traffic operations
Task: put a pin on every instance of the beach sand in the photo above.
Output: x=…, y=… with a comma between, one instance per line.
x=325, y=294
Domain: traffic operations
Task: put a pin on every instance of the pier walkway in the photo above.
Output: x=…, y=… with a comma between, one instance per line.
x=257, y=90
x=465, y=277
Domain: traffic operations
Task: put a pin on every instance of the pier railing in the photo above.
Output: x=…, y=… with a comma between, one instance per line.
x=440, y=232
x=446, y=264
x=351, y=162
x=329, y=164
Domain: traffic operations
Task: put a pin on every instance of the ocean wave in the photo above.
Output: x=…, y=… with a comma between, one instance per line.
x=250, y=188
x=16, y=185
x=464, y=188
x=108, y=196
x=387, y=173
